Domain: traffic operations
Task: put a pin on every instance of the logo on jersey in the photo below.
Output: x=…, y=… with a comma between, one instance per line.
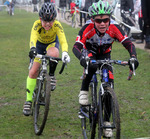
x=57, y=25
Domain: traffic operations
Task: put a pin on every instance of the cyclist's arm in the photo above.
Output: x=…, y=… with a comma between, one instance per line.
x=80, y=42
x=34, y=35
x=118, y=33
x=77, y=50
x=61, y=37
x=130, y=47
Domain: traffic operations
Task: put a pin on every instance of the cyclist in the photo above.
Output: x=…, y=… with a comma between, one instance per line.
x=95, y=40
x=44, y=40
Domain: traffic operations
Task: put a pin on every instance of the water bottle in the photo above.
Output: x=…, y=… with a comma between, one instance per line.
x=105, y=75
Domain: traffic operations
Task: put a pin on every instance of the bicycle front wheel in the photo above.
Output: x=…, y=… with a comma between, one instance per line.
x=110, y=112
x=68, y=16
x=42, y=105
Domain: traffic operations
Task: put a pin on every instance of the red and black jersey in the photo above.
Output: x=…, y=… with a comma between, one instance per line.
x=100, y=44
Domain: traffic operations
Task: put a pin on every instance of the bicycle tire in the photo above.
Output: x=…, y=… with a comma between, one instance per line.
x=109, y=98
x=41, y=108
x=94, y=106
x=89, y=124
x=68, y=16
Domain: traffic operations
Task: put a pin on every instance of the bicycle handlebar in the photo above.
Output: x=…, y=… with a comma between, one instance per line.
x=108, y=61
x=48, y=57
x=55, y=59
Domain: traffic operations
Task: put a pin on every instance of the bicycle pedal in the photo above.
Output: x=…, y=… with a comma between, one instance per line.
x=80, y=115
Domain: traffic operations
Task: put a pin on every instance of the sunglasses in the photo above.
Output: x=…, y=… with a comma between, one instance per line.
x=102, y=20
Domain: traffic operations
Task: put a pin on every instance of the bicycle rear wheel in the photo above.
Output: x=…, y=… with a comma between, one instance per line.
x=110, y=112
x=68, y=16
x=42, y=105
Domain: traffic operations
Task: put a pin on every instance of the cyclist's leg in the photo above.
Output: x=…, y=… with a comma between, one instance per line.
x=30, y=85
x=83, y=95
x=31, y=79
x=53, y=50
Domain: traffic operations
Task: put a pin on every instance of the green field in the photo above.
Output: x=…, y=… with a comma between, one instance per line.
x=63, y=121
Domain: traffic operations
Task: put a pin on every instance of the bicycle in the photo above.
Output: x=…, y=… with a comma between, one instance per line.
x=72, y=18
x=98, y=112
x=42, y=93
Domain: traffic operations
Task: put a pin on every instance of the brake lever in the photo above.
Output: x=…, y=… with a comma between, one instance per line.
x=87, y=62
x=31, y=64
x=63, y=66
x=133, y=67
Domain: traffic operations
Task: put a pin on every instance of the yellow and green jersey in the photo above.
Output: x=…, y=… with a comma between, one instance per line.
x=38, y=33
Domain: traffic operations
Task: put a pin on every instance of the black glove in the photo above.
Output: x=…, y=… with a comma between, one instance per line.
x=83, y=62
x=93, y=64
x=135, y=62
x=32, y=52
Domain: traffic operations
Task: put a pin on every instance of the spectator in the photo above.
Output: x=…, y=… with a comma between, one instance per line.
x=146, y=17
x=137, y=10
x=35, y=8
x=81, y=13
x=87, y=5
x=69, y=2
x=47, y=0
x=52, y=1
x=7, y=3
x=127, y=7
x=72, y=7
x=62, y=5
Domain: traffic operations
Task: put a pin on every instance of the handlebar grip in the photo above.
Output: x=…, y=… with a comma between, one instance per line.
x=62, y=68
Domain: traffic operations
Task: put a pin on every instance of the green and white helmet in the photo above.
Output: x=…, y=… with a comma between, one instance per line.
x=99, y=8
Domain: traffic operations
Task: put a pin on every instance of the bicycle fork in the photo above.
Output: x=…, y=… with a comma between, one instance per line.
x=101, y=110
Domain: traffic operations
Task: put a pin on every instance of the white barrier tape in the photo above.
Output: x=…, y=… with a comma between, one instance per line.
x=3, y=5
x=81, y=11
x=70, y=10
x=134, y=29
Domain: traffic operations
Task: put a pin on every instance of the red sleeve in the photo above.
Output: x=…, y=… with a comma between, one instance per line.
x=86, y=32
x=115, y=31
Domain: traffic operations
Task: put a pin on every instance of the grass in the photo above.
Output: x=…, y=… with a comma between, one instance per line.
x=63, y=122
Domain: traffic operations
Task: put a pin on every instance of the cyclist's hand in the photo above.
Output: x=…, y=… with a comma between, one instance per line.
x=93, y=64
x=133, y=61
x=83, y=62
x=65, y=57
x=32, y=52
